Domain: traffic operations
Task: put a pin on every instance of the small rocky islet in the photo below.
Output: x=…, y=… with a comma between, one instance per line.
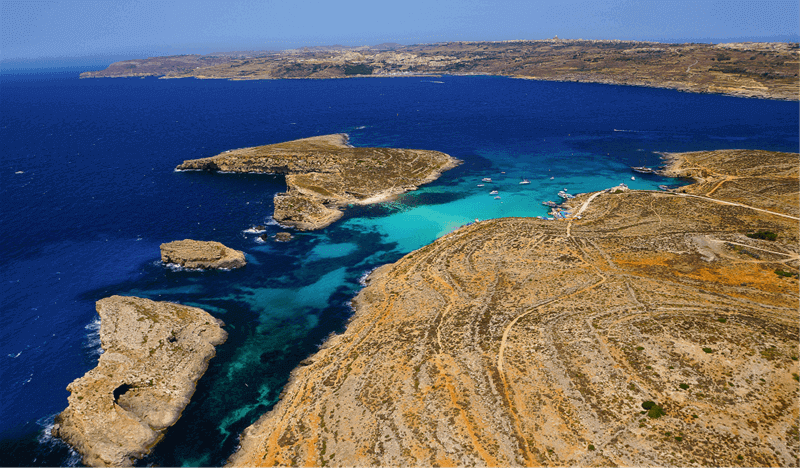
x=204, y=255
x=154, y=353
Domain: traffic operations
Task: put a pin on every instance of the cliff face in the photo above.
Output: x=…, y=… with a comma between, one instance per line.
x=201, y=254
x=324, y=174
x=652, y=331
x=154, y=353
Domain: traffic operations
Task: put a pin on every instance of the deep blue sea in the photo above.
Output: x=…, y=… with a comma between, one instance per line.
x=88, y=193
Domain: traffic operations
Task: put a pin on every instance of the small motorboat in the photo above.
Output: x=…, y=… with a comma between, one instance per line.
x=643, y=170
x=486, y=179
x=497, y=198
x=525, y=182
x=493, y=192
x=633, y=178
x=480, y=185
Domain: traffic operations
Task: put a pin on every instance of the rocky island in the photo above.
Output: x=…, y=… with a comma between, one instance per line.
x=657, y=328
x=189, y=253
x=324, y=174
x=752, y=69
x=154, y=353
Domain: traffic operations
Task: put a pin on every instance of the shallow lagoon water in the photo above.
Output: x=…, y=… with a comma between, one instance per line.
x=98, y=194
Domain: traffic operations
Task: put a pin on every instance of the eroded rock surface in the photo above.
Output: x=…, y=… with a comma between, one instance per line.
x=154, y=353
x=201, y=254
x=520, y=341
x=324, y=174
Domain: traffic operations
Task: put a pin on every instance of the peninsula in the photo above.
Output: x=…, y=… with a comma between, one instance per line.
x=764, y=70
x=324, y=174
x=652, y=328
x=154, y=353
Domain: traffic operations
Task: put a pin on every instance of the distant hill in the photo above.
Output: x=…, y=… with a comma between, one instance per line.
x=753, y=69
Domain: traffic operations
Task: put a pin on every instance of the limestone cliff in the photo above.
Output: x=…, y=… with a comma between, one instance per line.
x=154, y=353
x=652, y=331
x=324, y=174
x=199, y=254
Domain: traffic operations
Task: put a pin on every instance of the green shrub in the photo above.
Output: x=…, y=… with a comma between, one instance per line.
x=784, y=274
x=764, y=235
x=722, y=320
x=653, y=410
x=591, y=447
x=360, y=69
x=678, y=438
x=684, y=386
x=708, y=350
x=639, y=348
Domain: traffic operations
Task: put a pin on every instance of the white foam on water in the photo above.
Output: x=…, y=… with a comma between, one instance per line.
x=363, y=280
x=46, y=439
x=93, y=337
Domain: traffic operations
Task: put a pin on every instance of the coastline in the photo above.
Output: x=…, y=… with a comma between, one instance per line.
x=401, y=341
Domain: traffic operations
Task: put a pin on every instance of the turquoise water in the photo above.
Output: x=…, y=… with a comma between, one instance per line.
x=97, y=195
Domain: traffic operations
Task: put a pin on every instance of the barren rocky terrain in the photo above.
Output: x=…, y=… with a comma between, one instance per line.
x=765, y=70
x=660, y=328
x=324, y=174
x=154, y=353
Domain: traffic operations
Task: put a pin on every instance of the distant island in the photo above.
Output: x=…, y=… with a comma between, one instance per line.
x=649, y=328
x=324, y=174
x=763, y=70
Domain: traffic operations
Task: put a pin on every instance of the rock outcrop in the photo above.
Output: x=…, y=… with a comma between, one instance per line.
x=154, y=353
x=201, y=254
x=652, y=331
x=324, y=174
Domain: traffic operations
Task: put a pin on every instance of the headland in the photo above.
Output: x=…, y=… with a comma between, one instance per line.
x=324, y=174
x=659, y=328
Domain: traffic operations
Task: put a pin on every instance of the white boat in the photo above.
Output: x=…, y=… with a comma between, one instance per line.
x=525, y=182
x=633, y=178
x=496, y=198
x=480, y=185
x=486, y=179
x=552, y=178
x=493, y=192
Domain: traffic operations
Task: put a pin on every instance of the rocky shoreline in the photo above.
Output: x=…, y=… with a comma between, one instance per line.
x=154, y=353
x=652, y=331
x=324, y=174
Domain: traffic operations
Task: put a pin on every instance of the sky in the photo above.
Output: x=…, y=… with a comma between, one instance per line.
x=89, y=30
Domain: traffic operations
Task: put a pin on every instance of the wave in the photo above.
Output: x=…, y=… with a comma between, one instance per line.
x=51, y=444
x=363, y=280
x=93, y=344
x=176, y=267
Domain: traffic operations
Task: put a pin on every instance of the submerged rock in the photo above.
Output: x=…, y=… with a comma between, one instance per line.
x=324, y=174
x=283, y=237
x=154, y=354
x=199, y=254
